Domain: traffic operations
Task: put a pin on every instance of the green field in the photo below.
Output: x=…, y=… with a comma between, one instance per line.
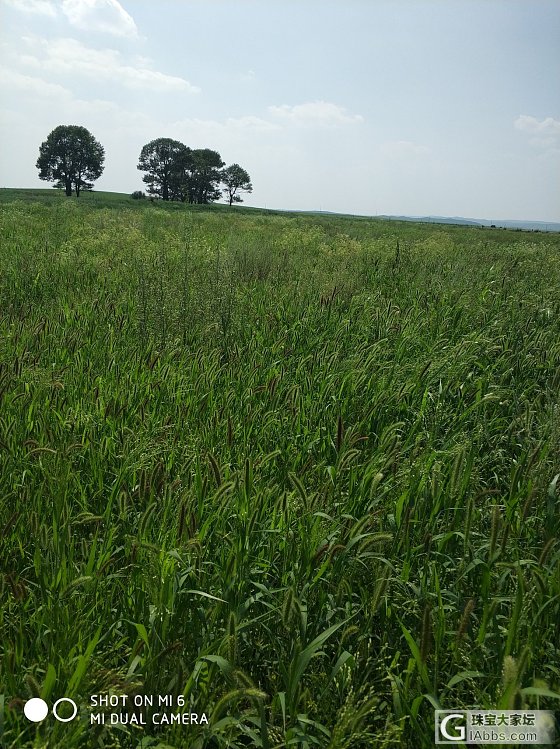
x=298, y=471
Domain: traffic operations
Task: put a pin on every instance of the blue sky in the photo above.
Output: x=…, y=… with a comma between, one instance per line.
x=447, y=107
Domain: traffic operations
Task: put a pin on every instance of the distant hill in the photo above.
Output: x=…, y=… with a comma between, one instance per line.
x=550, y=226
x=498, y=223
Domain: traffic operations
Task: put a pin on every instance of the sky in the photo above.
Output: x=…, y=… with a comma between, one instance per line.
x=400, y=107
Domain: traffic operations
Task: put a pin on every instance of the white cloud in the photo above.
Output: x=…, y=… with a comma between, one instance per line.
x=107, y=16
x=322, y=113
x=543, y=142
x=403, y=149
x=39, y=7
x=248, y=77
x=69, y=56
x=250, y=122
x=197, y=133
x=11, y=80
x=545, y=135
x=100, y=15
x=67, y=105
x=549, y=155
x=549, y=127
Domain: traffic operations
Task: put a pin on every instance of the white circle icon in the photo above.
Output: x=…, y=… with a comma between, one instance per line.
x=36, y=709
x=58, y=702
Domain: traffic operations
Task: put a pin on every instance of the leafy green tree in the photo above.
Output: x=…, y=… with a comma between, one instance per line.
x=205, y=176
x=165, y=160
x=71, y=158
x=180, y=184
x=236, y=180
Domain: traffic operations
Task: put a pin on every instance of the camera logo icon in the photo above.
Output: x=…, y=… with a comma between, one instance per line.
x=37, y=710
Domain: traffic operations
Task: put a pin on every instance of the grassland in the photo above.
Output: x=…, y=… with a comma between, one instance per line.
x=301, y=471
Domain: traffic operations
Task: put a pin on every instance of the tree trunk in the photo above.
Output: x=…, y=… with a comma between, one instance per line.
x=68, y=189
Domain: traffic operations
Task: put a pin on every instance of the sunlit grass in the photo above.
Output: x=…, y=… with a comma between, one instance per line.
x=300, y=470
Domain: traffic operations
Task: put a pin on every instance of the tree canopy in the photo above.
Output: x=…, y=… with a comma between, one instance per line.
x=164, y=161
x=236, y=180
x=71, y=158
x=205, y=176
x=174, y=171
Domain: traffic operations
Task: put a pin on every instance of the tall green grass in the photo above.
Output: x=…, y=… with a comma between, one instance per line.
x=302, y=471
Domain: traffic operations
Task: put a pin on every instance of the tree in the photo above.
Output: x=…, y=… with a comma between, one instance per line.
x=164, y=160
x=71, y=157
x=236, y=180
x=205, y=176
x=181, y=176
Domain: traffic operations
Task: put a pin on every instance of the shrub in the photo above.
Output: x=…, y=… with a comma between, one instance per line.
x=138, y=195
